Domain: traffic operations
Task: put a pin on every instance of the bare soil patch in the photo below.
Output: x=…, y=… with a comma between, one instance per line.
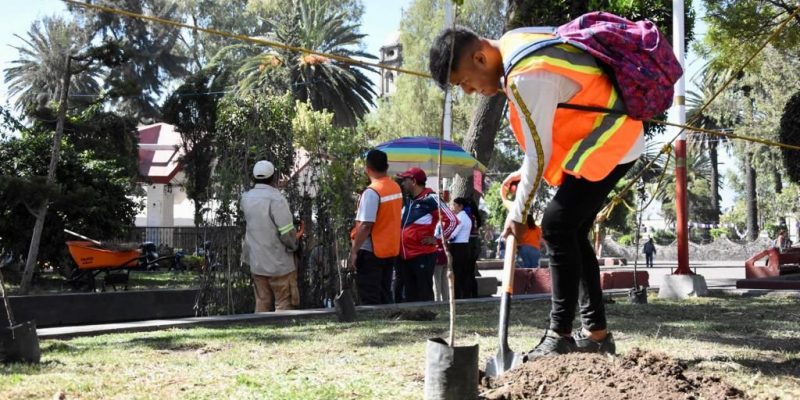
x=637, y=375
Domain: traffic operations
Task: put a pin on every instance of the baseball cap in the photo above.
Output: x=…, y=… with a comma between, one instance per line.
x=416, y=173
x=263, y=169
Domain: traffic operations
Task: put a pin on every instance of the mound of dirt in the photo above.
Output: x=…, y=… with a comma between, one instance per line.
x=637, y=375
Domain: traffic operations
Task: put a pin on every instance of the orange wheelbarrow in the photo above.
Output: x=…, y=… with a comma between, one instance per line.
x=93, y=258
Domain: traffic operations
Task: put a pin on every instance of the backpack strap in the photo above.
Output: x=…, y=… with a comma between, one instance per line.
x=524, y=51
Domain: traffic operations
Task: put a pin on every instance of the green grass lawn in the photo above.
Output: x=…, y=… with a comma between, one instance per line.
x=752, y=343
x=52, y=282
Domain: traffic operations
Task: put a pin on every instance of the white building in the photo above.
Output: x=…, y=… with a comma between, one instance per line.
x=391, y=55
x=163, y=178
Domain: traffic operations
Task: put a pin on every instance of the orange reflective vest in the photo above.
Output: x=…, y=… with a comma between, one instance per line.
x=386, y=229
x=532, y=237
x=585, y=144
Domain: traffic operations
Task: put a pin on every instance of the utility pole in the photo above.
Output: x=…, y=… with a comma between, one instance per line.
x=678, y=115
x=33, y=250
x=683, y=283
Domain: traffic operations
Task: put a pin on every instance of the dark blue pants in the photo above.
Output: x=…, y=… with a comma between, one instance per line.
x=374, y=278
x=417, y=276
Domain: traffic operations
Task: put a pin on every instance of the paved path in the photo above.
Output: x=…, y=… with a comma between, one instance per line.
x=718, y=274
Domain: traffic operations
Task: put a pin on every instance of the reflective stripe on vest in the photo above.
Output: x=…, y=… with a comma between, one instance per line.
x=586, y=145
x=386, y=229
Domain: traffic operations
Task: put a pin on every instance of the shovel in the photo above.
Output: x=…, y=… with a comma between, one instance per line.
x=505, y=358
x=343, y=302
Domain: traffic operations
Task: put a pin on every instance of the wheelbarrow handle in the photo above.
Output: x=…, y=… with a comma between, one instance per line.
x=82, y=237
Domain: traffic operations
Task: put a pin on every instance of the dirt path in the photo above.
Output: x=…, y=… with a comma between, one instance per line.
x=638, y=375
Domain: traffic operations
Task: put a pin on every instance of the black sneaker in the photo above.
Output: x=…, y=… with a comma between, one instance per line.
x=552, y=344
x=586, y=345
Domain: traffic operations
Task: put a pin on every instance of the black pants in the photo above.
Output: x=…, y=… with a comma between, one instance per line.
x=648, y=259
x=463, y=269
x=574, y=268
x=417, y=276
x=374, y=278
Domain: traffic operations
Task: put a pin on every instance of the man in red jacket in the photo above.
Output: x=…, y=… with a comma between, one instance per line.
x=417, y=242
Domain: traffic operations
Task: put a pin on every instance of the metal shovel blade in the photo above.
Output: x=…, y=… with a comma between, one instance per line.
x=345, y=306
x=502, y=362
x=505, y=358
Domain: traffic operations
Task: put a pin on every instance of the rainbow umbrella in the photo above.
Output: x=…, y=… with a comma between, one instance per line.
x=423, y=152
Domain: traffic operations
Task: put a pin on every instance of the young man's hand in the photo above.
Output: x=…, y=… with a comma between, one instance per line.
x=514, y=228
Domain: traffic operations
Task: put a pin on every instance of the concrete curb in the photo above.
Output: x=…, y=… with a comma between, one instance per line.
x=66, y=332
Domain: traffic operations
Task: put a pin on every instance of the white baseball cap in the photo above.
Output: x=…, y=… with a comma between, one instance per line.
x=263, y=169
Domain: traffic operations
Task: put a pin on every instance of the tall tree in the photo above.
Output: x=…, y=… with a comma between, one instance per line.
x=35, y=77
x=325, y=83
x=192, y=108
x=707, y=85
x=156, y=54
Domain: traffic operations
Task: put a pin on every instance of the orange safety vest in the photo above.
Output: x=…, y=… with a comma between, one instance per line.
x=386, y=229
x=532, y=237
x=585, y=144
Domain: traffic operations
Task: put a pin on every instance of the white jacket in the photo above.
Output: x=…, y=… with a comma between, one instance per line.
x=270, y=236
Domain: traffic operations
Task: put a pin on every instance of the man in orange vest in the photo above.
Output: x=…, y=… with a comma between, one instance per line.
x=376, y=236
x=582, y=153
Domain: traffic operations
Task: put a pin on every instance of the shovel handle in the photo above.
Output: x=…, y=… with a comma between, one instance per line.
x=509, y=263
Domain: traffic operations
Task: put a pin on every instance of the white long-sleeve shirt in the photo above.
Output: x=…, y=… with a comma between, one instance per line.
x=542, y=91
x=463, y=229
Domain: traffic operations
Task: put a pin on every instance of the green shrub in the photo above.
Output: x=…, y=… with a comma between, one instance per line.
x=625, y=240
x=192, y=263
x=717, y=233
x=663, y=237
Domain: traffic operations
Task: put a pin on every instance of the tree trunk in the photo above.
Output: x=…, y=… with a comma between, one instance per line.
x=33, y=250
x=479, y=140
x=713, y=155
x=778, y=181
x=752, y=201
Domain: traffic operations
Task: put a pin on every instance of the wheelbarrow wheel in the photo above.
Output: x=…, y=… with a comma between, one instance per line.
x=81, y=281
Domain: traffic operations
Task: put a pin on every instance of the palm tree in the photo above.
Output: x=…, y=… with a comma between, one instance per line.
x=325, y=83
x=698, y=175
x=35, y=78
x=707, y=85
x=155, y=53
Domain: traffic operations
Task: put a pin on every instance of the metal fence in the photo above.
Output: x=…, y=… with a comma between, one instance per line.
x=186, y=238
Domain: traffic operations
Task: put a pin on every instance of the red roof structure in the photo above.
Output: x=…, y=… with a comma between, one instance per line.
x=159, y=151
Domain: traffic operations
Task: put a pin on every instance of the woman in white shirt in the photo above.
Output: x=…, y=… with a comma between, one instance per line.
x=463, y=263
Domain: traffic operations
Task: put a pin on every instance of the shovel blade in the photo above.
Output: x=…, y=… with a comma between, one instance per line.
x=502, y=362
x=345, y=306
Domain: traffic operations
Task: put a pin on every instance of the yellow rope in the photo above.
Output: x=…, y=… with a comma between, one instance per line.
x=244, y=38
x=353, y=61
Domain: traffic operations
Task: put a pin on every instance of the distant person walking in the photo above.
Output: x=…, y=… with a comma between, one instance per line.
x=649, y=250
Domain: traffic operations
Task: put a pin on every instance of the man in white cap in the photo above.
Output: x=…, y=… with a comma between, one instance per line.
x=270, y=239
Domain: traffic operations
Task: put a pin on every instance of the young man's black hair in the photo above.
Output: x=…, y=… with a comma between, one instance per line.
x=377, y=161
x=439, y=55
